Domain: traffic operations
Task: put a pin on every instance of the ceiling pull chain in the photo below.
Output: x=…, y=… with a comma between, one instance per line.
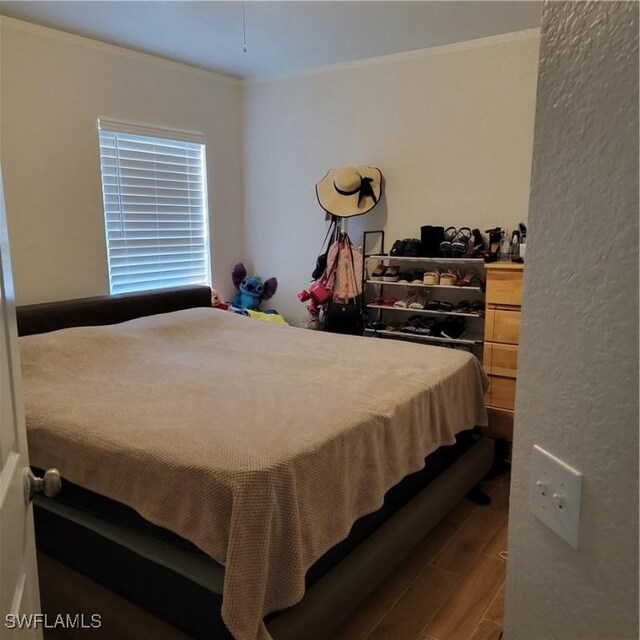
x=244, y=29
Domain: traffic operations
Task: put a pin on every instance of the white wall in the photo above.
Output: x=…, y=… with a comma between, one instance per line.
x=451, y=129
x=577, y=391
x=54, y=87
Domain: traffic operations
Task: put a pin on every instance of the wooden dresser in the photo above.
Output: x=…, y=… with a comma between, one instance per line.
x=502, y=336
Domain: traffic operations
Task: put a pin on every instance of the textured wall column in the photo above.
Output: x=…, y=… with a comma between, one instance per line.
x=578, y=378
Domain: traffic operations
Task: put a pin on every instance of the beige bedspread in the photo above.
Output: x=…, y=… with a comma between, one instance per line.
x=261, y=444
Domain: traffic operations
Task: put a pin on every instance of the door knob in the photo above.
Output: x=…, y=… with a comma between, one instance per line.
x=49, y=484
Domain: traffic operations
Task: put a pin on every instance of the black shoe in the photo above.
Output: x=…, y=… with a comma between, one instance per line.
x=430, y=239
x=398, y=248
x=412, y=247
x=453, y=328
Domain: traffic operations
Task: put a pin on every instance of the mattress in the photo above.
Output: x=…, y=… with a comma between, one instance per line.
x=259, y=444
x=168, y=575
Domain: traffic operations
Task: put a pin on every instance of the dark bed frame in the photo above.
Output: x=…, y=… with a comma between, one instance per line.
x=330, y=599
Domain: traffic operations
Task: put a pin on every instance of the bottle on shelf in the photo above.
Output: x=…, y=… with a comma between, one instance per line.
x=515, y=245
x=504, y=254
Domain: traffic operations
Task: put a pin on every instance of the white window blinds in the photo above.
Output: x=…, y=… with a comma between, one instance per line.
x=155, y=208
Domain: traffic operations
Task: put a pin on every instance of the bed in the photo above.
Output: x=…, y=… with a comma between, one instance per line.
x=271, y=476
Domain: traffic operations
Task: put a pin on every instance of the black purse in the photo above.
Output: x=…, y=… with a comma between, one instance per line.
x=344, y=317
x=321, y=262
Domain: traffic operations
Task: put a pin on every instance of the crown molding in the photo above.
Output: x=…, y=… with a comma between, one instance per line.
x=454, y=47
x=97, y=45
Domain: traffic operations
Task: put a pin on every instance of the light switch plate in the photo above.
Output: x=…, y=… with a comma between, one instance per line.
x=556, y=493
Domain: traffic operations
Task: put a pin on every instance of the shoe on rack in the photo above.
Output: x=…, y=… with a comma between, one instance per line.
x=410, y=325
x=378, y=272
x=406, y=276
x=450, y=278
x=397, y=249
x=478, y=249
x=420, y=300
x=460, y=244
x=392, y=274
x=470, y=279
x=412, y=248
x=445, y=245
x=424, y=326
x=407, y=301
x=418, y=276
x=477, y=306
x=453, y=328
x=430, y=239
x=431, y=277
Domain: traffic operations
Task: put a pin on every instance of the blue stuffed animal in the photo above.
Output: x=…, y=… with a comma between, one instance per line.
x=251, y=290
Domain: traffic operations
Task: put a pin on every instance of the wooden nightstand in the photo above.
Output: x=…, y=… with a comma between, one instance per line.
x=501, y=339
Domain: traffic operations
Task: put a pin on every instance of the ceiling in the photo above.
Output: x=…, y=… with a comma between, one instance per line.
x=282, y=37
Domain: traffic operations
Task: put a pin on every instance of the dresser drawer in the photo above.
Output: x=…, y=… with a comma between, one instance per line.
x=501, y=359
x=501, y=393
x=504, y=287
x=502, y=325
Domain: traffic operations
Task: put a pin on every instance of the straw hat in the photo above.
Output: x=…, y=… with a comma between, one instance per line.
x=350, y=191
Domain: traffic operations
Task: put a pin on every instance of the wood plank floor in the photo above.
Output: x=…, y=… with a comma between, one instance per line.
x=451, y=587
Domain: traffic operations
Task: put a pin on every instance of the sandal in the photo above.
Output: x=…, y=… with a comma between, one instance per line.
x=478, y=246
x=392, y=274
x=445, y=245
x=470, y=279
x=420, y=301
x=431, y=277
x=460, y=244
x=405, y=303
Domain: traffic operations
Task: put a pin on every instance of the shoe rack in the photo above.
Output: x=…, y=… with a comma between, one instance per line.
x=472, y=340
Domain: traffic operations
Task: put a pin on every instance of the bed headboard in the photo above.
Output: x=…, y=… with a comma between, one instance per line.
x=84, y=312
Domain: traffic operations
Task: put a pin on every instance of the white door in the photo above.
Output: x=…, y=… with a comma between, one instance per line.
x=18, y=572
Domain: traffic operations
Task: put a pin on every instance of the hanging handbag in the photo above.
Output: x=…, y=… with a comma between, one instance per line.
x=321, y=262
x=345, y=315
x=347, y=282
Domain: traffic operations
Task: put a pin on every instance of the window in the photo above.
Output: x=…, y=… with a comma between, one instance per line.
x=155, y=207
